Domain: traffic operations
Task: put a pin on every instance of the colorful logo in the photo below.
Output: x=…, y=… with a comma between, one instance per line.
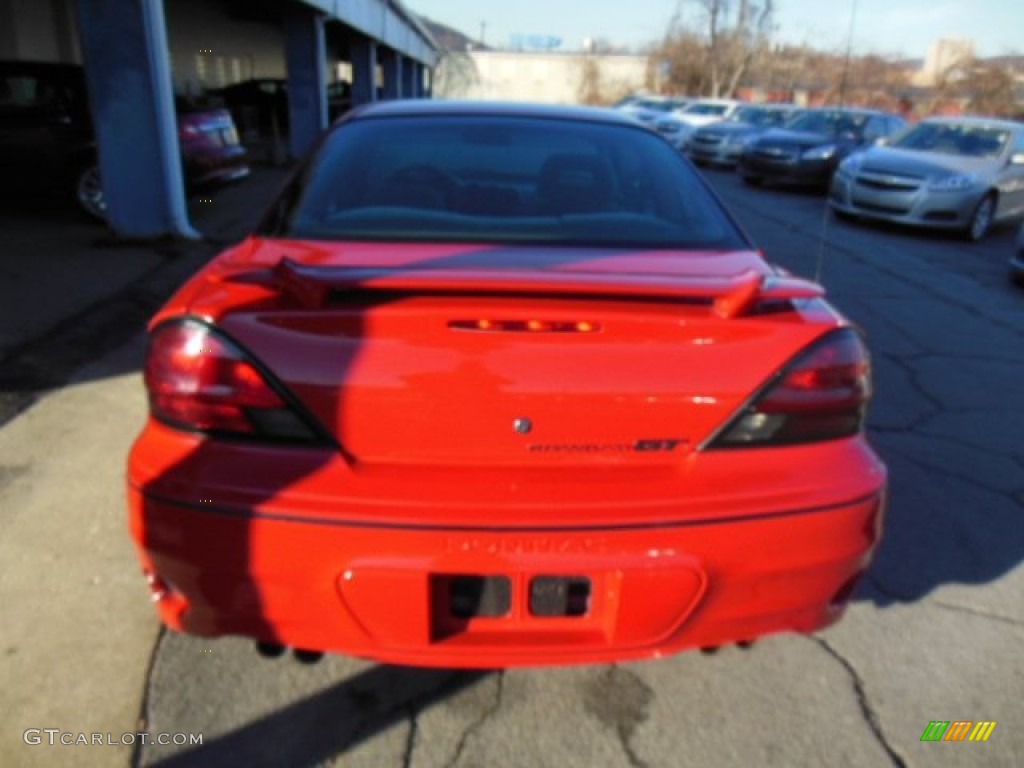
x=958, y=730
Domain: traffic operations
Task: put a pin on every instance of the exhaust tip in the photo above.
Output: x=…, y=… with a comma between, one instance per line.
x=158, y=589
x=306, y=656
x=709, y=650
x=745, y=644
x=269, y=650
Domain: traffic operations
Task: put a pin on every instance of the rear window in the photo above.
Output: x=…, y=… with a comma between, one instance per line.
x=707, y=109
x=955, y=139
x=509, y=180
x=761, y=117
x=831, y=123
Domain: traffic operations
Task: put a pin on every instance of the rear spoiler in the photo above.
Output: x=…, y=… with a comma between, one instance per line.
x=734, y=296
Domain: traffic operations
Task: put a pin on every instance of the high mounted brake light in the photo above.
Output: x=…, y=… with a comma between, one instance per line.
x=821, y=395
x=199, y=380
x=524, y=326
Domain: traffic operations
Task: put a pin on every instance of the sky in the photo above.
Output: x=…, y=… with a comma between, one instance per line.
x=903, y=28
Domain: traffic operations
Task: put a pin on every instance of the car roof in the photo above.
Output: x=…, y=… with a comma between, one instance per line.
x=852, y=111
x=770, y=105
x=719, y=101
x=433, y=108
x=978, y=120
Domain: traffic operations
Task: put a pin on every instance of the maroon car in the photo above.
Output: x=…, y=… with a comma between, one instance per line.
x=210, y=150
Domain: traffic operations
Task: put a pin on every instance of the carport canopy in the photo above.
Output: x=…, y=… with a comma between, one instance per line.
x=125, y=53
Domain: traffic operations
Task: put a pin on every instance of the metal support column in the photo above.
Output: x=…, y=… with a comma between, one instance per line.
x=364, y=70
x=391, y=64
x=124, y=47
x=412, y=79
x=306, y=58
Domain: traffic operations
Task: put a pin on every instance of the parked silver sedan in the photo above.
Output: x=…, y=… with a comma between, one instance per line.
x=961, y=173
x=722, y=143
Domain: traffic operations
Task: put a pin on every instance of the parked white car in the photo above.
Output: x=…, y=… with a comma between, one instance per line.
x=680, y=125
x=649, y=109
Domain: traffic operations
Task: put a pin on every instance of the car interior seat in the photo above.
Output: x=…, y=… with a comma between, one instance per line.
x=574, y=183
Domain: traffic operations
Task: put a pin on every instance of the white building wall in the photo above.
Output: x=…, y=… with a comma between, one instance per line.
x=555, y=78
x=946, y=58
x=622, y=75
x=39, y=30
x=35, y=29
x=210, y=50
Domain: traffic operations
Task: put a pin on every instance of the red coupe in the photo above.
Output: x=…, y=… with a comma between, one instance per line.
x=498, y=385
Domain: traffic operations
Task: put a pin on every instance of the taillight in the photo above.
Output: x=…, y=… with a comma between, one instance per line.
x=820, y=395
x=198, y=380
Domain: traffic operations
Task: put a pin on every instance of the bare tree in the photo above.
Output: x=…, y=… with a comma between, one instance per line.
x=714, y=57
x=738, y=32
x=455, y=74
x=866, y=81
x=991, y=90
x=730, y=47
x=681, y=63
x=590, y=90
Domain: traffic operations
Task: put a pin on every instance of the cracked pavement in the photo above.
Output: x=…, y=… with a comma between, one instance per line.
x=934, y=633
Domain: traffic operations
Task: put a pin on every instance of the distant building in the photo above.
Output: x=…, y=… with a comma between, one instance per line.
x=946, y=59
x=549, y=77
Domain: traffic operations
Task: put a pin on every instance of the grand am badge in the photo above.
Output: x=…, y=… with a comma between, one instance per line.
x=640, y=446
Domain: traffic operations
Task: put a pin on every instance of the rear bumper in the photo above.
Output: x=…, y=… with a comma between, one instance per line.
x=383, y=591
x=720, y=154
x=801, y=172
x=216, y=166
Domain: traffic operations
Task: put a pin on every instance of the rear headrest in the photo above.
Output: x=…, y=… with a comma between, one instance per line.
x=574, y=183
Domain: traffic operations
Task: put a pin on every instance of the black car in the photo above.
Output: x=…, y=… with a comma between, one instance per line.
x=339, y=99
x=258, y=106
x=48, y=144
x=810, y=147
x=46, y=137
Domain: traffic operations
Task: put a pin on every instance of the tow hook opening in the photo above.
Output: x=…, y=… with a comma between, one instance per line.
x=553, y=596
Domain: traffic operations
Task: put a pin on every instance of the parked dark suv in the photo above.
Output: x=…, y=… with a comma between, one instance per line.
x=47, y=142
x=810, y=147
x=46, y=136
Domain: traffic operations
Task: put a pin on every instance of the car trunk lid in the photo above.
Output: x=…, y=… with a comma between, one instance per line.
x=452, y=355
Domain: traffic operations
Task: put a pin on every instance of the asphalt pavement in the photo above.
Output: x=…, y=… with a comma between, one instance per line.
x=934, y=633
x=78, y=631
